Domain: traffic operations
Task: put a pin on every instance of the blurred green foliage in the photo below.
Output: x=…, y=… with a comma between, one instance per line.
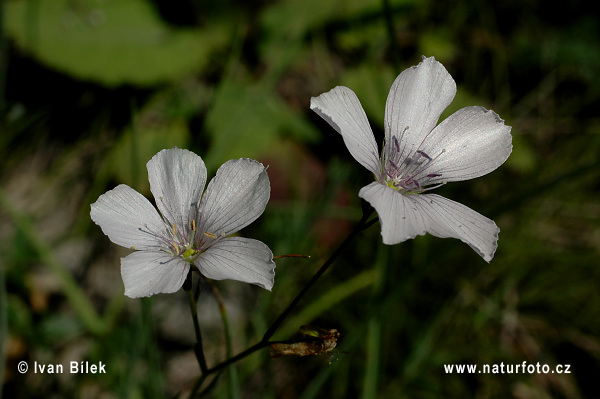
x=90, y=90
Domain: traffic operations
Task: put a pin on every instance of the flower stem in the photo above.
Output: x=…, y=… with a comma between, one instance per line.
x=357, y=229
x=193, y=301
x=360, y=226
x=233, y=375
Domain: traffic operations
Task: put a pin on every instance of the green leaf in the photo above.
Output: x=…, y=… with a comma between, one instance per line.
x=246, y=120
x=371, y=83
x=135, y=148
x=112, y=42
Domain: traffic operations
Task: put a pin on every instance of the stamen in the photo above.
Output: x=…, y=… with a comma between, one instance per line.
x=193, y=225
x=396, y=144
x=434, y=175
x=157, y=236
x=433, y=187
x=423, y=154
x=422, y=190
x=421, y=166
x=211, y=235
x=174, y=230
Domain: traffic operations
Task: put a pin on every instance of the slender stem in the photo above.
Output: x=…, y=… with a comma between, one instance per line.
x=360, y=226
x=357, y=229
x=239, y=356
x=363, y=224
x=233, y=376
x=198, y=348
x=389, y=24
x=77, y=298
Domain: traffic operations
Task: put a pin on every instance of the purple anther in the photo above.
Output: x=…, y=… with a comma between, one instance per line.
x=406, y=183
x=396, y=144
x=423, y=154
x=393, y=164
x=434, y=175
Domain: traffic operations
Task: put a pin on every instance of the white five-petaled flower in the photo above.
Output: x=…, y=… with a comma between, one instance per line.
x=418, y=156
x=193, y=229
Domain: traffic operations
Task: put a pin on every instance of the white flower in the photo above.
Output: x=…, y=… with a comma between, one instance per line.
x=193, y=228
x=418, y=156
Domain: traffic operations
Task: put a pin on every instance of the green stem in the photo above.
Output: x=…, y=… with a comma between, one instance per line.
x=193, y=302
x=372, y=364
x=77, y=299
x=389, y=24
x=264, y=342
x=357, y=229
x=3, y=323
x=234, y=391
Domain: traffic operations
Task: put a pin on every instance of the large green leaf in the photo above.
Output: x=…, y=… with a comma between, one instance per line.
x=246, y=120
x=111, y=41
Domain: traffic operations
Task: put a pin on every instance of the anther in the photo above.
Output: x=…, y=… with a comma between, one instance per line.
x=423, y=154
x=193, y=225
x=174, y=230
x=211, y=235
x=396, y=144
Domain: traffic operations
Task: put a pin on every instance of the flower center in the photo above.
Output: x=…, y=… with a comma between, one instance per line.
x=406, y=176
x=181, y=242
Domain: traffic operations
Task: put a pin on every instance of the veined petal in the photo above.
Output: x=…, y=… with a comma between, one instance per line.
x=177, y=178
x=241, y=259
x=235, y=197
x=470, y=143
x=147, y=273
x=128, y=218
x=416, y=100
x=341, y=108
x=403, y=217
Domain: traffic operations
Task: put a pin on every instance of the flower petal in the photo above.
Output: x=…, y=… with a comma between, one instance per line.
x=342, y=110
x=235, y=197
x=128, y=218
x=416, y=100
x=147, y=273
x=177, y=178
x=241, y=259
x=470, y=143
x=403, y=217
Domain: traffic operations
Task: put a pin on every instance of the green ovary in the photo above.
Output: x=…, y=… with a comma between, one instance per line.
x=189, y=253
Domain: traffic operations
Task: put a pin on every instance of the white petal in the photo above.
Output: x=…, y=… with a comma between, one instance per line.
x=177, y=178
x=403, y=217
x=147, y=273
x=472, y=142
x=416, y=100
x=342, y=110
x=128, y=218
x=241, y=259
x=235, y=197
